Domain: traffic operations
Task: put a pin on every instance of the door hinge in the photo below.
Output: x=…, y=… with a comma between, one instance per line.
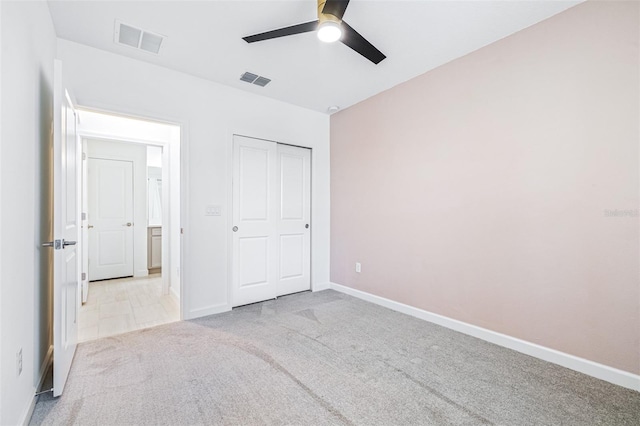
x=84, y=156
x=84, y=276
x=84, y=216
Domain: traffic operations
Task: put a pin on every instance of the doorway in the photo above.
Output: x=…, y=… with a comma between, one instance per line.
x=271, y=192
x=130, y=230
x=121, y=305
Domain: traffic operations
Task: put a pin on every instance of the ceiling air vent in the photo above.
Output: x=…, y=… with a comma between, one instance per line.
x=255, y=79
x=262, y=81
x=131, y=36
x=128, y=35
x=248, y=77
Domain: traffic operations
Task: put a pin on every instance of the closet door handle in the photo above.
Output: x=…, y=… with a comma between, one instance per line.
x=234, y=229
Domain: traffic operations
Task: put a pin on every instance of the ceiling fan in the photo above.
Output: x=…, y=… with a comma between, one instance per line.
x=330, y=27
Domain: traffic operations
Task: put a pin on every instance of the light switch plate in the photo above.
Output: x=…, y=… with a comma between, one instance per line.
x=213, y=210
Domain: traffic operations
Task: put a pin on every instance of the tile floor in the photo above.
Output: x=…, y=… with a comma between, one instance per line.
x=125, y=304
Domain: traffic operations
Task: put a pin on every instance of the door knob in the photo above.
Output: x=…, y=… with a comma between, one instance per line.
x=90, y=226
x=68, y=243
x=306, y=226
x=234, y=229
x=128, y=224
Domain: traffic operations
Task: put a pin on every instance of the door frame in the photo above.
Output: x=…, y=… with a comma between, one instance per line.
x=229, y=215
x=169, y=156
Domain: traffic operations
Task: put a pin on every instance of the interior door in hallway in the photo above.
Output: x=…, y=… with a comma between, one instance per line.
x=110, y=218
x=271, y=211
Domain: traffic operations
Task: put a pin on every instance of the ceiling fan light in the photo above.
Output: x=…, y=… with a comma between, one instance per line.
x=329, y=32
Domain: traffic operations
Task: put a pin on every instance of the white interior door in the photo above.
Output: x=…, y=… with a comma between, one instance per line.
x=66, y=196
x=254, y=221
x=271, y=192
x=110, y=218
x=294, y=214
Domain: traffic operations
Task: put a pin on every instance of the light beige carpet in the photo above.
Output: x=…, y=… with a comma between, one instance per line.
x=323, y=359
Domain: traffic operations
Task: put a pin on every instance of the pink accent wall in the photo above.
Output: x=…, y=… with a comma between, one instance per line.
x=480, y=189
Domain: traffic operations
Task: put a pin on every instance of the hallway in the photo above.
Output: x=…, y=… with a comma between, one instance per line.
x=125, y=304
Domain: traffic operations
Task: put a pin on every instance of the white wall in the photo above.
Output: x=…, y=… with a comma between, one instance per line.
x=137, y=154
x=27, y=50
x=503, y=166
x=209, y=114
x=154, y=156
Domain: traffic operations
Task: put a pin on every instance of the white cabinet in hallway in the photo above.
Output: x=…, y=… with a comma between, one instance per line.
x=154, y=249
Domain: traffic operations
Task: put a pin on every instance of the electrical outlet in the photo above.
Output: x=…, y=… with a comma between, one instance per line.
x=19, y=361
x=358, y=267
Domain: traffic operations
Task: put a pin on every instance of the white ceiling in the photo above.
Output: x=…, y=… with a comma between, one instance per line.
x=204, y=39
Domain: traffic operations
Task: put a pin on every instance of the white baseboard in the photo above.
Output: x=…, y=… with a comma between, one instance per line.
x=321, y=286
x=206, y=311
x=48, y=359
x=26, y=417
x=594, y=369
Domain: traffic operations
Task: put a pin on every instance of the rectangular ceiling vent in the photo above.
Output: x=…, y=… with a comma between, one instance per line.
x=262, y=81
x=255, y=79
x=137, y=38
x=248, y=77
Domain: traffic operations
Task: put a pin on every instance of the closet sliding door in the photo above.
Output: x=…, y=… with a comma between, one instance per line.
x=293, y=226
x=271, y=220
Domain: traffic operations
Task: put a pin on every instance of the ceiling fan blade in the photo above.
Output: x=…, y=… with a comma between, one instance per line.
x=335, y=8
x=354, y=40
x=282, y=32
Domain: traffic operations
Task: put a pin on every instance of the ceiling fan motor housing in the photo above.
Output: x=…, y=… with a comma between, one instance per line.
x=324, y=17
